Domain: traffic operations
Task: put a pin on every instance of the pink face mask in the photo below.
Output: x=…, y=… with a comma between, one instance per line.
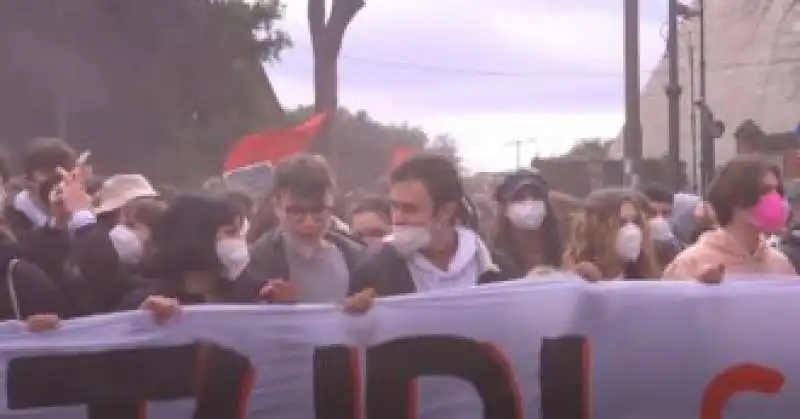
x=770, y=213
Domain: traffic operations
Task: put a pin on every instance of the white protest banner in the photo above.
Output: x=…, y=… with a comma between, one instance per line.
x=549, y=350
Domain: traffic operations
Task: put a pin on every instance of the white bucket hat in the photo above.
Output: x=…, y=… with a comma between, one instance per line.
x=119, y=190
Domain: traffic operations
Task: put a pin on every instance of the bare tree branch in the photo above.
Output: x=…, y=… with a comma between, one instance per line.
x=316, y=22
x=342, y=14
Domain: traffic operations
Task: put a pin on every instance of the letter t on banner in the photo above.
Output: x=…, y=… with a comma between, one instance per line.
x=564, y=378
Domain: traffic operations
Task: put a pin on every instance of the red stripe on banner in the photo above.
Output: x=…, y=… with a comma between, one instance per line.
x=413, y=399
x=141, y=410
x=201, y=365
x=248, y=381
x=355, y=371
x=500, y=357
x=737, y=379
x=273, y=145
x=586, y=370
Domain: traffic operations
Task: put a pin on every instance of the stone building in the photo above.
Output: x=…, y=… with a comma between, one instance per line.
x=753, y=72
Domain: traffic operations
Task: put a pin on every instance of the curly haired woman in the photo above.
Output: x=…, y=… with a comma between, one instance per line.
x=609, y=238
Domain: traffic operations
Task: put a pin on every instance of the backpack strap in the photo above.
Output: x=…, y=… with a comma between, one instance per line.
x=12, y=288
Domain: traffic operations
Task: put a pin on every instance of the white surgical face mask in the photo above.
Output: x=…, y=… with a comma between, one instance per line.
x=526, y=215
x=129, y=246
x=660, y=229
x=234, y=255
x=629, y=242
x=409, y=239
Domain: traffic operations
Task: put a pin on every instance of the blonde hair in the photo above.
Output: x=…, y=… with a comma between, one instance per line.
x=594, y=230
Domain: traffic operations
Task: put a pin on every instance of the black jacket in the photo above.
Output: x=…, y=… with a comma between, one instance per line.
x=385, y=270
x=242, y=290
x=99, y=281
x=268, y=255
x=790, y=245
x=507, y=265
x=35, y=292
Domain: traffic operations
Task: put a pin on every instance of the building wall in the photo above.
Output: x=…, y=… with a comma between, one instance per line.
x=753, y=71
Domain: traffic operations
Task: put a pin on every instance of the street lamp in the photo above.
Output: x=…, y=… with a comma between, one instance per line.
x=518, y=146
x=632, y=130
x=673, y=88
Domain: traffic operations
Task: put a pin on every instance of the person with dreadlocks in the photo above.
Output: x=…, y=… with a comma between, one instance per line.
x=433, y=244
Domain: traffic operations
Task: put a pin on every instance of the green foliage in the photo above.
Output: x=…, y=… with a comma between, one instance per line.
x=365, y=145
x=159, y=86
x=446, y=145
x=247, y=29
x=589, y=149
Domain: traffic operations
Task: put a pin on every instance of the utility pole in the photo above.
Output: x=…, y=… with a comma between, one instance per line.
x=61, y=106
x=517, y=144
x=693, y=117
x=632, y=132
x=65, y=74
x=707, y=156
x=673, y=91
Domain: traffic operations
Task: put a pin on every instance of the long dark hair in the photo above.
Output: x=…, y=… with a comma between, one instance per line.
x=185, y=239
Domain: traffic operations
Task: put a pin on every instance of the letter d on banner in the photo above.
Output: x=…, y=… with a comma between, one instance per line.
x=393, y=367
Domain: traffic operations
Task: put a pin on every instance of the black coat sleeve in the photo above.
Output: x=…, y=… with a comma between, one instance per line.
x=104, y=280
x=36, y=292
x=267, y=260
x=384, y=270
x=137, y=296
x=47, y=248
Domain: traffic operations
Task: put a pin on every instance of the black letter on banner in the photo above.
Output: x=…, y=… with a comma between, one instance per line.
x=116, y=384
x=392, y=368
x=564, y=378
x=337, y=383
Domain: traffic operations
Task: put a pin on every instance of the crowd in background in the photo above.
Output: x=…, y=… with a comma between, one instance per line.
x=76, y=244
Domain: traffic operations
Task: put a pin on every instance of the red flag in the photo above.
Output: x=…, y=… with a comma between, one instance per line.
x=271, y=146
x=399, y=155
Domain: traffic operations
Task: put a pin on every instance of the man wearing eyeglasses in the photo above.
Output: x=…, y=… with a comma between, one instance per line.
x=305, y=259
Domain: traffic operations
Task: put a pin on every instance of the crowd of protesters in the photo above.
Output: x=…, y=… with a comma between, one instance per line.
x=73, y=244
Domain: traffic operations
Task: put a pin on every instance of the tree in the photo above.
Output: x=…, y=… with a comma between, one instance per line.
x=365, y=146
x=158, y=86
x=446, y=145
x=327, y=33
x=589, y=149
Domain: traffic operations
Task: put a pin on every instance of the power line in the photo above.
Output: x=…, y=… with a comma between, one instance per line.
x=478, y=72
x=534, y=74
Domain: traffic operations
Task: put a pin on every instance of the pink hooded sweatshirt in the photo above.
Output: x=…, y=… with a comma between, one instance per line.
x=719, y=247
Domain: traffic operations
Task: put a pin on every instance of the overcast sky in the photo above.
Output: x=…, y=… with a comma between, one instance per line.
x=487, y=73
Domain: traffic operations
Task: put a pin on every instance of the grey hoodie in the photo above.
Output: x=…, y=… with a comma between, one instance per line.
x=683, y=222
